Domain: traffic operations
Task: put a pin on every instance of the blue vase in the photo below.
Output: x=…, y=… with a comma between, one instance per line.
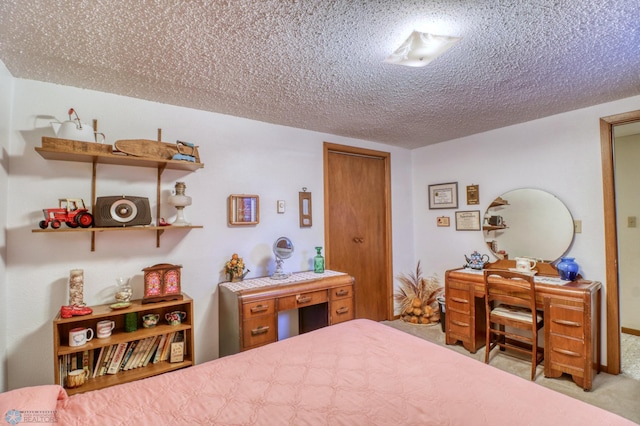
x=568, y=268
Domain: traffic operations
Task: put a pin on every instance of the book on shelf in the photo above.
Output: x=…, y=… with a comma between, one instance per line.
x=156, y=356
x=128, y=354
x=86, y=363
x=106, y=360
x=165, y=351
x=151, y=351
x=96, y=367
x=177, y=351
x=135, y=357
x=118, y=354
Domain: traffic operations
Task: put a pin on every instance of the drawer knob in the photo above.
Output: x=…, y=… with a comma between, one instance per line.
x=260, y=330
x=343, y=310
x=342, y=292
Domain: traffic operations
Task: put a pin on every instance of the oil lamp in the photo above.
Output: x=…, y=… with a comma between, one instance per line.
x=180, y=201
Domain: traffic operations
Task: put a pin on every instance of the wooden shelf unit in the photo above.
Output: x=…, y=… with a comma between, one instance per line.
x=61, y=327
x=120, y=159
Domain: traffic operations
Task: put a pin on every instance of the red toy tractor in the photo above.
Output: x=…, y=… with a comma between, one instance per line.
x=71, y=211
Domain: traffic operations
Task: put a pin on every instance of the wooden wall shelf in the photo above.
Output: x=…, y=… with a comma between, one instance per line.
x=95, y=158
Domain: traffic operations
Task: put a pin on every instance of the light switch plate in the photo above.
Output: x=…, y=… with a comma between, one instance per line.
x=632, y=222
x=577, y=226
x=280, y=206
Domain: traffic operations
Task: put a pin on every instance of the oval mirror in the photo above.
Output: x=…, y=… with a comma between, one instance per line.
x=528, y=223
x=283, y=249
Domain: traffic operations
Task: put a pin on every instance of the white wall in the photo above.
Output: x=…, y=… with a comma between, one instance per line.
x=627, y=154
x=6, y=97
x=240, y=156
x=559, y=154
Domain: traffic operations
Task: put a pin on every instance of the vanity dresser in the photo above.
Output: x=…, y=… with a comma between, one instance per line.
x=571, y=312
x=248, y=310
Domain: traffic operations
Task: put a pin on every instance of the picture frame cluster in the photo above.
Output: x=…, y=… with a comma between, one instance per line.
x=445, y=196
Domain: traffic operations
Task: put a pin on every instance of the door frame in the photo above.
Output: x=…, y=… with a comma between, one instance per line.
x=386, y=158
x=611, y=236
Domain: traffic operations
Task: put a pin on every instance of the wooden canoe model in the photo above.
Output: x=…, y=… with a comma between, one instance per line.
x=153, y=149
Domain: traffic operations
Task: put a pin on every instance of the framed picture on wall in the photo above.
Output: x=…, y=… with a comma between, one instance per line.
x=468, y=221
x=443, y=196
x=443, y=221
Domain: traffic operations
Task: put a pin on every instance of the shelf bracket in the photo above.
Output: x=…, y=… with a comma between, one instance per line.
x=159, y=232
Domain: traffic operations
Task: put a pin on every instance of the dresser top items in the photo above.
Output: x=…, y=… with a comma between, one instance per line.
x=294, y=278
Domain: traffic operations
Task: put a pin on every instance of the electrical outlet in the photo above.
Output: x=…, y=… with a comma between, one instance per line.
x=577, y=226
x=631, y=222
x=280, y=206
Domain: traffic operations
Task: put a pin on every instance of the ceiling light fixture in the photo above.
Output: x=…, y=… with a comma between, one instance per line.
x=421, y=48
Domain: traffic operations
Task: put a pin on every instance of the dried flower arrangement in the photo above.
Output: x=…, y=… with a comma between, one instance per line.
x=235, y=268
x=417, y=297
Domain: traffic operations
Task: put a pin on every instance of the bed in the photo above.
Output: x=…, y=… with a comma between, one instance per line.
x=356, y=373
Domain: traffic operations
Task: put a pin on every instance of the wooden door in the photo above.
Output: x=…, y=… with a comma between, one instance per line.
x=358, y=225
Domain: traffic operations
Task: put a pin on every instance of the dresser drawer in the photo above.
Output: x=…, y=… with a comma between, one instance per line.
x=341, y=292
x=259, y=331
x=460, y=324
x=253, y=309
x=459, y=301
x=341, y=310
x=567, y=321
x=566, y=352
x=301, y=300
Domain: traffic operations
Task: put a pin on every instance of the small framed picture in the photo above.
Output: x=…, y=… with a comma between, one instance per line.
x=443, y=196
x=473, y=194
x=443, y=221
x=468, y=220
x=244, y=209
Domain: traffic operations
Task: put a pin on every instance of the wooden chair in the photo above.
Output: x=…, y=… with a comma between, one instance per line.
x=510, y=299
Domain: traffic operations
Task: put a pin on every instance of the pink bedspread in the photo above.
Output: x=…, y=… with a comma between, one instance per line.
x=355, y=373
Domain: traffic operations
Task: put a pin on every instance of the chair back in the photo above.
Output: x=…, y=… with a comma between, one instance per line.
x=511, y=288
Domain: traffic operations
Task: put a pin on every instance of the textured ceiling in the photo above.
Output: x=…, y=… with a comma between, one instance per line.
x=317, y=64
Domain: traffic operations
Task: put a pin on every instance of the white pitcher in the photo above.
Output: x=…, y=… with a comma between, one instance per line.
x=524, y=264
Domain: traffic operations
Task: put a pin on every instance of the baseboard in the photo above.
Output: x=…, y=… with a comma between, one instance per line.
x=630, y=331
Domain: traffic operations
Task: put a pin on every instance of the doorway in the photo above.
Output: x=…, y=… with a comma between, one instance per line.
x=611, y=236
x=357, y=200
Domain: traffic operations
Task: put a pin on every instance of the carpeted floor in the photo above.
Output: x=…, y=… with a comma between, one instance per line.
x=619, y=394
x=630, y=355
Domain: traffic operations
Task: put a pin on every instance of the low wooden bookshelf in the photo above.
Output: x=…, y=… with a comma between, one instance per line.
x=90, y=351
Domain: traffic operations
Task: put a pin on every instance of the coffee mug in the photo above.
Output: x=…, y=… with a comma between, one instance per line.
x=175, y=317
x=76, y=378
x=104, y=328
x=80, y=336
x=524, y=264
x=150, y=320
